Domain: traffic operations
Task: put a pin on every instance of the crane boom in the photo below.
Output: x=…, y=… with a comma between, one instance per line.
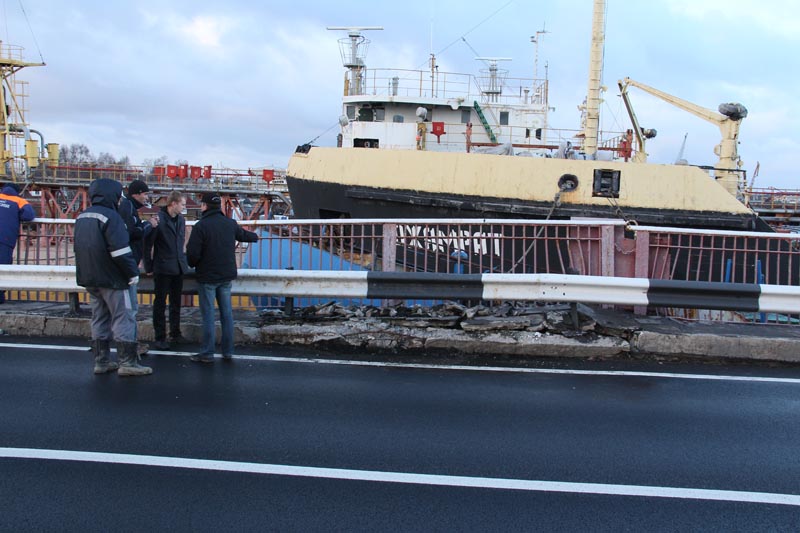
x=727, y=169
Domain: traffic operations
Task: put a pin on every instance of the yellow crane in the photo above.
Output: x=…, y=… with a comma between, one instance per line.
x=728, y=169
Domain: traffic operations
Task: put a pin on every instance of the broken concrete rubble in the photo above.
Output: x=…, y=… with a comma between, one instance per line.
x=507, y=329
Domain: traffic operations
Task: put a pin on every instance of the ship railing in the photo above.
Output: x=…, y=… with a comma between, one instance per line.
x=11, y=52
x=458, y=138
x=445, y=86
x=162, y=177
x=776, y=200
x=472, y=246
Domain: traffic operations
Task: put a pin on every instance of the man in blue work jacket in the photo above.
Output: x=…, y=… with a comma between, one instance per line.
x=13, y=211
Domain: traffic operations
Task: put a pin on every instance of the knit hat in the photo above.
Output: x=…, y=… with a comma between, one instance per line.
x=11, y=185
x=137, y=186
x=211, y=199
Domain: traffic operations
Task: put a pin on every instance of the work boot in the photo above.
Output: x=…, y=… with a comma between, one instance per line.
x=142, y=348
x=129, y=361
x=102, y=352
x=178, y=339
x=161, y=345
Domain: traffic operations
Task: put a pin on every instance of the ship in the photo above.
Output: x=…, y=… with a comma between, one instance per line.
x=430, y=144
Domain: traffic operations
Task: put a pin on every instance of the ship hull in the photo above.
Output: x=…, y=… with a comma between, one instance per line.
x=376, y=183
x=313, y=199
x=386, y=184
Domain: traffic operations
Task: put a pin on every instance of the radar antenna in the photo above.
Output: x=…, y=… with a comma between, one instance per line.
x=353, y=49
x=494, y=88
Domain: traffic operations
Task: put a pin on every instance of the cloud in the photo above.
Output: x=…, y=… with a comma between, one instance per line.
x=779, y=17
x=244, y=83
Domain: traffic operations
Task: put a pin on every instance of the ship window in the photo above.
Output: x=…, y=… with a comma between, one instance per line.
x=606, y=183
x=504, y=118
x=398, y=118
x=380, y=114
x=365, y=143
x=365, y=114
x=466, y=116
x=351, y=112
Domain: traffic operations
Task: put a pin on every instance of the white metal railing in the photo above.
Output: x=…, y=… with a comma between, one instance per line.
x=518, y=287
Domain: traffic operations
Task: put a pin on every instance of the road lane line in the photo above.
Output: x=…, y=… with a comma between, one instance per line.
x=511, y=370
x=403, y=477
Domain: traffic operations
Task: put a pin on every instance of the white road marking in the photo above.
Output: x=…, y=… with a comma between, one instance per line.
x=403, y=477
x=510, y=370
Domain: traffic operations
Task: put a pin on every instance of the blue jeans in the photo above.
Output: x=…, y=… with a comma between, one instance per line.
x=207, y=292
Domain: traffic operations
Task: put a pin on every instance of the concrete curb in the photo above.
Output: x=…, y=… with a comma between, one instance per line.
x=364, y=334
x=655, y=337
x=717, y=346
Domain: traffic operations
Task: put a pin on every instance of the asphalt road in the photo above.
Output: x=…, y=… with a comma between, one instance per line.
x=290, y=444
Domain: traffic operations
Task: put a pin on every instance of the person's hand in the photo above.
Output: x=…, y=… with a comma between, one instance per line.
x=134, y=280
x=154, y=221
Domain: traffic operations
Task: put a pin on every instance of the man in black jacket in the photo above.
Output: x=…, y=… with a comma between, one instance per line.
x=168, y=265
x=104, y=264
x=138, y=230
x=212, y=251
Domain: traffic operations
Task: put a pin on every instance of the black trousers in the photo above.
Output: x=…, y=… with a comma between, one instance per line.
x=172, y=286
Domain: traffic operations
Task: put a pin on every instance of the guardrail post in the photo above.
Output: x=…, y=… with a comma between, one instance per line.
x=573, y=314
x=288, y=302
x=642, y=262
x=74, y=303
x=389, y=248
x=607, y=266
x=389, y=254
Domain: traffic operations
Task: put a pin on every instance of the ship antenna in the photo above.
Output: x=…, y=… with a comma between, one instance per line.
x=536, y=39
x=354, y=51
x=475, y=27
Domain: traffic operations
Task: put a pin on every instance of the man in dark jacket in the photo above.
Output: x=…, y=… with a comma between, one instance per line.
x=212, y=251
x=104, y=264
x=13, y=210
x=138, y=231
x=168, y=265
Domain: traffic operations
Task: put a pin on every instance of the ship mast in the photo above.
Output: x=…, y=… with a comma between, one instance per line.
x=12, y=112
x=592, y=122
x=354, y=51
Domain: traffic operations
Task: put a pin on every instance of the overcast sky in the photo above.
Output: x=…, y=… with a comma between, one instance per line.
x=241, y=83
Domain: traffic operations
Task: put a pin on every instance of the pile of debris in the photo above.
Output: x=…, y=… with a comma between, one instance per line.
x=503, y=328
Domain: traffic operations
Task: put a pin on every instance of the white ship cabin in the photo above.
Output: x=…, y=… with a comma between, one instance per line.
x=440, y=111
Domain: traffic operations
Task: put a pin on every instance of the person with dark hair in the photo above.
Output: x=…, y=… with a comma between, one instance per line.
x=138, y=230
x=212, y=251
x=13, y=211
x=105, y=266
x=165, y=258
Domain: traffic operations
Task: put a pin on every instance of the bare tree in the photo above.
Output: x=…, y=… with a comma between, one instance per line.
x=75, y=154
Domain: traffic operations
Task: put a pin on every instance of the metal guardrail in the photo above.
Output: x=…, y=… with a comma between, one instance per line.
x=605, y=249
x=517, y=287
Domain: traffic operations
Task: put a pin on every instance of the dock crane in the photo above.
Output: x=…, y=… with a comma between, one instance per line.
x=728, y=120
